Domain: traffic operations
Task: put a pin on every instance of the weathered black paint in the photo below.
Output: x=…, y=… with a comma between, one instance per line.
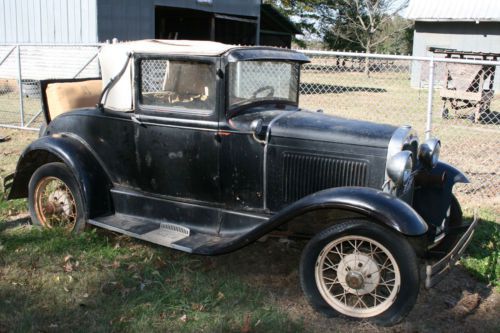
x=209, y=172
x=433, y=199
x=72, y=151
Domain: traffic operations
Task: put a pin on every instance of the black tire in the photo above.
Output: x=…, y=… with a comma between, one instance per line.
x=399, y=248
x=71, y=212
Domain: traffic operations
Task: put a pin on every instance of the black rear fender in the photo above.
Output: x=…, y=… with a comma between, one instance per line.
x=72, y=151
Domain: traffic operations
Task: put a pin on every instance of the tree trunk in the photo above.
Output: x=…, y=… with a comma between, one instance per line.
x=367, y=60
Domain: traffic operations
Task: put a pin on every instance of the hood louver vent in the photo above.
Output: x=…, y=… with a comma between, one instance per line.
x=306, y=174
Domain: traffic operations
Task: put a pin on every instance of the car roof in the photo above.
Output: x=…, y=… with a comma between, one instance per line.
x=117, y=69
x=164, y=46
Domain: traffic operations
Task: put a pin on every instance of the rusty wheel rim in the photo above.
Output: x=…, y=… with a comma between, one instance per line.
x=55, y=205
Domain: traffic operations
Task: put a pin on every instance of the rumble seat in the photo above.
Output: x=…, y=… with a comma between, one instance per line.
x=66, y=96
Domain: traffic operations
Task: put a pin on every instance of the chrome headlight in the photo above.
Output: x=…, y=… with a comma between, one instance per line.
x=428, y=153
x=399, y=167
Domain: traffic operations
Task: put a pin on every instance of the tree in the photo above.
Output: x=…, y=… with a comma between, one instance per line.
x=400, y=41
x=360, y=22
x=356, y=25
x=303, y=13
x=363, y=24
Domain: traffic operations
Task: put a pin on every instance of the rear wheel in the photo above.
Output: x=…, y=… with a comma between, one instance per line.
x=55, y=199
x=360, y=270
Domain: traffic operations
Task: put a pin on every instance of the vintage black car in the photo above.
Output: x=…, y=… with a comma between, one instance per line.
x=202, y=147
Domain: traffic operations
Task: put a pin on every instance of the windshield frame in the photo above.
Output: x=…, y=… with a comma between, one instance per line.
x=236, y=108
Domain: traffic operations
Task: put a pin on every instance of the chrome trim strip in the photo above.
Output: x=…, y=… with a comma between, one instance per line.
x=173, y=121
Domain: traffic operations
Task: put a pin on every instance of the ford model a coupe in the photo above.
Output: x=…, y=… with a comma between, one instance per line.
x=201, y=147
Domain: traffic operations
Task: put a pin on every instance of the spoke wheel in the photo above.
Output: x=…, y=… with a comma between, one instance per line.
x=357, y=276
x=362, y=270
x=55, y=204
x=55, y=199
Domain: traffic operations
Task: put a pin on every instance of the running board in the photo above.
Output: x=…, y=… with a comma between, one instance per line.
x=163, y=233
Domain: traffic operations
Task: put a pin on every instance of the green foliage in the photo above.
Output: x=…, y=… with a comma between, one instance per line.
x=400, y=37
x=363, y=25
x=12, y=207
x=97, y=282
x=483, y=254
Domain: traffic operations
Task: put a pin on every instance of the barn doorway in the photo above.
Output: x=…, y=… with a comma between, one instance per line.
x=181, y=23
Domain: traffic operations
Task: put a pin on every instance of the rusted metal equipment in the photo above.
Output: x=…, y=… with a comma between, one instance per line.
x=466, y=86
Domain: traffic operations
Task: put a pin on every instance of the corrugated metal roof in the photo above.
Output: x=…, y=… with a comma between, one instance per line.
x=454, y=10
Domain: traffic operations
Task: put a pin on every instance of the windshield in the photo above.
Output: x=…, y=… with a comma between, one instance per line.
x=258, y=80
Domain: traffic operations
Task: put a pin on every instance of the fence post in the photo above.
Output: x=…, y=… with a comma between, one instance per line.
x=430, y=95
x=20, y=85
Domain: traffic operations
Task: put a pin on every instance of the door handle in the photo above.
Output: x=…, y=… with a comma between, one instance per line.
x=136, y=119
x=219, y=134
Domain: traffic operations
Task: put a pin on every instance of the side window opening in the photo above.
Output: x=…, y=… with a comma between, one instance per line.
x=178, y=85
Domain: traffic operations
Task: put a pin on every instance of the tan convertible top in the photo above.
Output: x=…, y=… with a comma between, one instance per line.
x=113, y=57
x=157, y=46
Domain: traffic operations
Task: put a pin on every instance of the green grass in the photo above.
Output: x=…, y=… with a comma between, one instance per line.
x=118, y=284
x=13, y=207
x=98, y=282
x=482, y=258
x=123, y=285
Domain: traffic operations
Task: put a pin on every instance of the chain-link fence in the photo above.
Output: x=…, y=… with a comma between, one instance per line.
x=23, y=66
x=452, y=99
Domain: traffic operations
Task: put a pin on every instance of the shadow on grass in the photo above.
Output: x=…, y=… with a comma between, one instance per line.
x=97, y=281
x=19, y=222
x=490, y=118
x=320, y=89
x=101, y=282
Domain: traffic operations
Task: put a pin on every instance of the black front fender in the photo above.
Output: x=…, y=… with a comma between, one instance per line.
x=361, y=202
x=434, y=191
x=367, y=202
x=72, y=151
x=453, y=175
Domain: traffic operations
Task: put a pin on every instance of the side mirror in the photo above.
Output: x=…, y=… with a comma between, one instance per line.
x=259, y=130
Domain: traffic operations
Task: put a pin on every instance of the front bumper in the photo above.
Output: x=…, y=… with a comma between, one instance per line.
x=434, y=273
x=7, y=184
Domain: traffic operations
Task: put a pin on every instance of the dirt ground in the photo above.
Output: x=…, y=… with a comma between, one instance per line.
x=458, y=303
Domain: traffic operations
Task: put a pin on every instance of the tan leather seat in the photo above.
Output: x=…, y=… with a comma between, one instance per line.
x=67, y=96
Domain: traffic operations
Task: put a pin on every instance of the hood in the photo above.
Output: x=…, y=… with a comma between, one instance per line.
x=317, y=126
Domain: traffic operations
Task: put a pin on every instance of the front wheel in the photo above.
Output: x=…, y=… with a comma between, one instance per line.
x=361, y=270
x=55, y=199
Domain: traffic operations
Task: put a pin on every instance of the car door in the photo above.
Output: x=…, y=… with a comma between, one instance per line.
x=176, y=127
